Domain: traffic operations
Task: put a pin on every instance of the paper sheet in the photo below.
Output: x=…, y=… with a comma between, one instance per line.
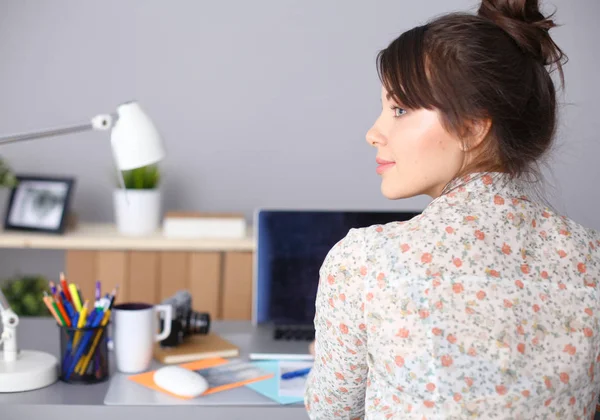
x=292, y=387
x=270, y=387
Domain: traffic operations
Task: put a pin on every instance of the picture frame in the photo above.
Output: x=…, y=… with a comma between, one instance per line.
x=39, y=204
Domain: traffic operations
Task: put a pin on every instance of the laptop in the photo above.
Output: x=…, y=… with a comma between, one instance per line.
x=291, y=246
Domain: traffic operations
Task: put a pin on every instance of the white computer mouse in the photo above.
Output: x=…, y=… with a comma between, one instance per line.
x=180, y=381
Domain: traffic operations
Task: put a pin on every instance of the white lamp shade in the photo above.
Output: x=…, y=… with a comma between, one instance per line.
x=135, y=140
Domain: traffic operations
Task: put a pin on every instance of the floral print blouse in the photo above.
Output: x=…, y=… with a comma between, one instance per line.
x=486, y=305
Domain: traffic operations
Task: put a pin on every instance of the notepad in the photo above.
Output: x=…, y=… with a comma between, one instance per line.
x=196, y=347
x=270, y=387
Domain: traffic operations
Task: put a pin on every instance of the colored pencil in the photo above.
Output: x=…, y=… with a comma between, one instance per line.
x=85, y=361
x=51, y=308
x=63, y=312
x=75, y=297
x=55, y=306
x=65, y=287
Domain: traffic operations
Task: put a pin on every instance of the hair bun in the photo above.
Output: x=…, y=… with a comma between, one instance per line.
x=524, y=22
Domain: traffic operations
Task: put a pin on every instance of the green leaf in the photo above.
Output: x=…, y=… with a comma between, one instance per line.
x=146, y=177
x=25, y=295
x=7, y=177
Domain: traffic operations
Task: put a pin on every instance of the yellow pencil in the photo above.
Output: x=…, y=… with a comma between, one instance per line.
x=81, y=322
x=83, y=315
x=83, y=363
x=75, y=297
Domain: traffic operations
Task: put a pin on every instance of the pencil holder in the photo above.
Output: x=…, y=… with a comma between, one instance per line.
x=84, y=353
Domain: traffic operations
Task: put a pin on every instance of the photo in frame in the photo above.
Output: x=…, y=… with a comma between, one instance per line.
x=39, y=203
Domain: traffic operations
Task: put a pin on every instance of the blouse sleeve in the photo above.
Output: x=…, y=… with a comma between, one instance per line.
x=337, y=382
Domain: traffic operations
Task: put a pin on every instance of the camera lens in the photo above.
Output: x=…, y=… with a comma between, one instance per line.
x=197, y=323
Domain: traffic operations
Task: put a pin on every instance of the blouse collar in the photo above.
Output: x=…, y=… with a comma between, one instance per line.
x=483, y=184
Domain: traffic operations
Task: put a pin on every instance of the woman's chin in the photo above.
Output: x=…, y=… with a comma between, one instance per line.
x=397, y=191
x=391, y=192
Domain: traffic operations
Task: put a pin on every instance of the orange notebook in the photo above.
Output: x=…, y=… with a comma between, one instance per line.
x=196, y=347
x=221, y=375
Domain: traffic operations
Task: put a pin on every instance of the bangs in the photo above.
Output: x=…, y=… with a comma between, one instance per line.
x=403, y=71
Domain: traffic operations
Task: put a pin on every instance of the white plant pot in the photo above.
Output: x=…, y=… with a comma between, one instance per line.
x=137, y=212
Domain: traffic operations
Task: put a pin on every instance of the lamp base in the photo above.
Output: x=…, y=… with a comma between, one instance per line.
x=31, y=370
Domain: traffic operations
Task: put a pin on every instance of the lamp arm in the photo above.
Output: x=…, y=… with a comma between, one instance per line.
x=8, y=338
x=99, y=122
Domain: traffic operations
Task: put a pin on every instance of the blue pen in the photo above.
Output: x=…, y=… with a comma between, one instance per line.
x=74, y=315
x=89, y=322
x=94, y=320
x=68, y=306
x=69, y=353
x=295, y=373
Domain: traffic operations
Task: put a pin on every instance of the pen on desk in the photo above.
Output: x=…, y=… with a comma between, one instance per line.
x=295, y=373
x=98, y=290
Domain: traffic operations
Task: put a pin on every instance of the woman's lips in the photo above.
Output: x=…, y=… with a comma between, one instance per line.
x=383, y=165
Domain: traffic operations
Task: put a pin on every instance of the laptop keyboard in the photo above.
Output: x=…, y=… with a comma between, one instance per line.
x=294, y=332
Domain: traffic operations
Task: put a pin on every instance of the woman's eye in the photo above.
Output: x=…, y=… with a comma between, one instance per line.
x=398, y=112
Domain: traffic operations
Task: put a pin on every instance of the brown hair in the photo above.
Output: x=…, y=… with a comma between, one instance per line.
x=495, y=66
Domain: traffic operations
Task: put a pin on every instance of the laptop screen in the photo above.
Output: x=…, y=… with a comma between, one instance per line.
x=291, y=247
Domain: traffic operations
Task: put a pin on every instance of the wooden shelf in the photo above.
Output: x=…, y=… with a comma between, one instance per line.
x=106, y=237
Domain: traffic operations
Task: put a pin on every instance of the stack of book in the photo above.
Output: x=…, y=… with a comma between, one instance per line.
x=178, y=224
x=196, y=347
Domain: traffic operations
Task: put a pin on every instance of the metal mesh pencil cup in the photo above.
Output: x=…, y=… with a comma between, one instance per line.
x=84, y=354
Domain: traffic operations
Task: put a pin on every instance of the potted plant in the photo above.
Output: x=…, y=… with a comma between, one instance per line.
x=8, y=180
x=138, y=205
x=25, y=294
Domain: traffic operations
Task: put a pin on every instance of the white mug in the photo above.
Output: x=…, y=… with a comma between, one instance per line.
x=135, y=329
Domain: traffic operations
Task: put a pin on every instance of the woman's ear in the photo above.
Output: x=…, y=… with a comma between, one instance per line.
x=475, y=132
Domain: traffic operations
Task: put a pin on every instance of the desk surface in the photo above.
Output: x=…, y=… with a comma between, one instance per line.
x=87, y=401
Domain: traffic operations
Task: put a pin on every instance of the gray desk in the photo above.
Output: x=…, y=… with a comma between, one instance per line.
x=61, y=401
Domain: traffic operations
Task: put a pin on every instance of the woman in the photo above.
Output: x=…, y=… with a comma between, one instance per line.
x=486, y=305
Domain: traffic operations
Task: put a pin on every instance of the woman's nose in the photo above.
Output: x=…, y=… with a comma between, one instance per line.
x=375, y=138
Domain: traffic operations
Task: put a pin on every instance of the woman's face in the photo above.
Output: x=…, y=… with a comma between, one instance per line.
x=415, y=154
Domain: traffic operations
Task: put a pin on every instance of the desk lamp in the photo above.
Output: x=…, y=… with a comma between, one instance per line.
x=134, y=138
x=135, y=143
x=21, y=370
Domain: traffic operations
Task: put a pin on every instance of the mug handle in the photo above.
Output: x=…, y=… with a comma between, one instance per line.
x=167, y=311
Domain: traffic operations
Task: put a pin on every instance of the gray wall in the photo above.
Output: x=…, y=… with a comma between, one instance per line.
x=261, y=103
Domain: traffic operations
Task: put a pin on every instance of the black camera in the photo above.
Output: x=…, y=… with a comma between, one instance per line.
x=185, y=321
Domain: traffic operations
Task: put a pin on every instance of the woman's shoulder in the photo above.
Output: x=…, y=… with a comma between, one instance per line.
x=376, y=235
